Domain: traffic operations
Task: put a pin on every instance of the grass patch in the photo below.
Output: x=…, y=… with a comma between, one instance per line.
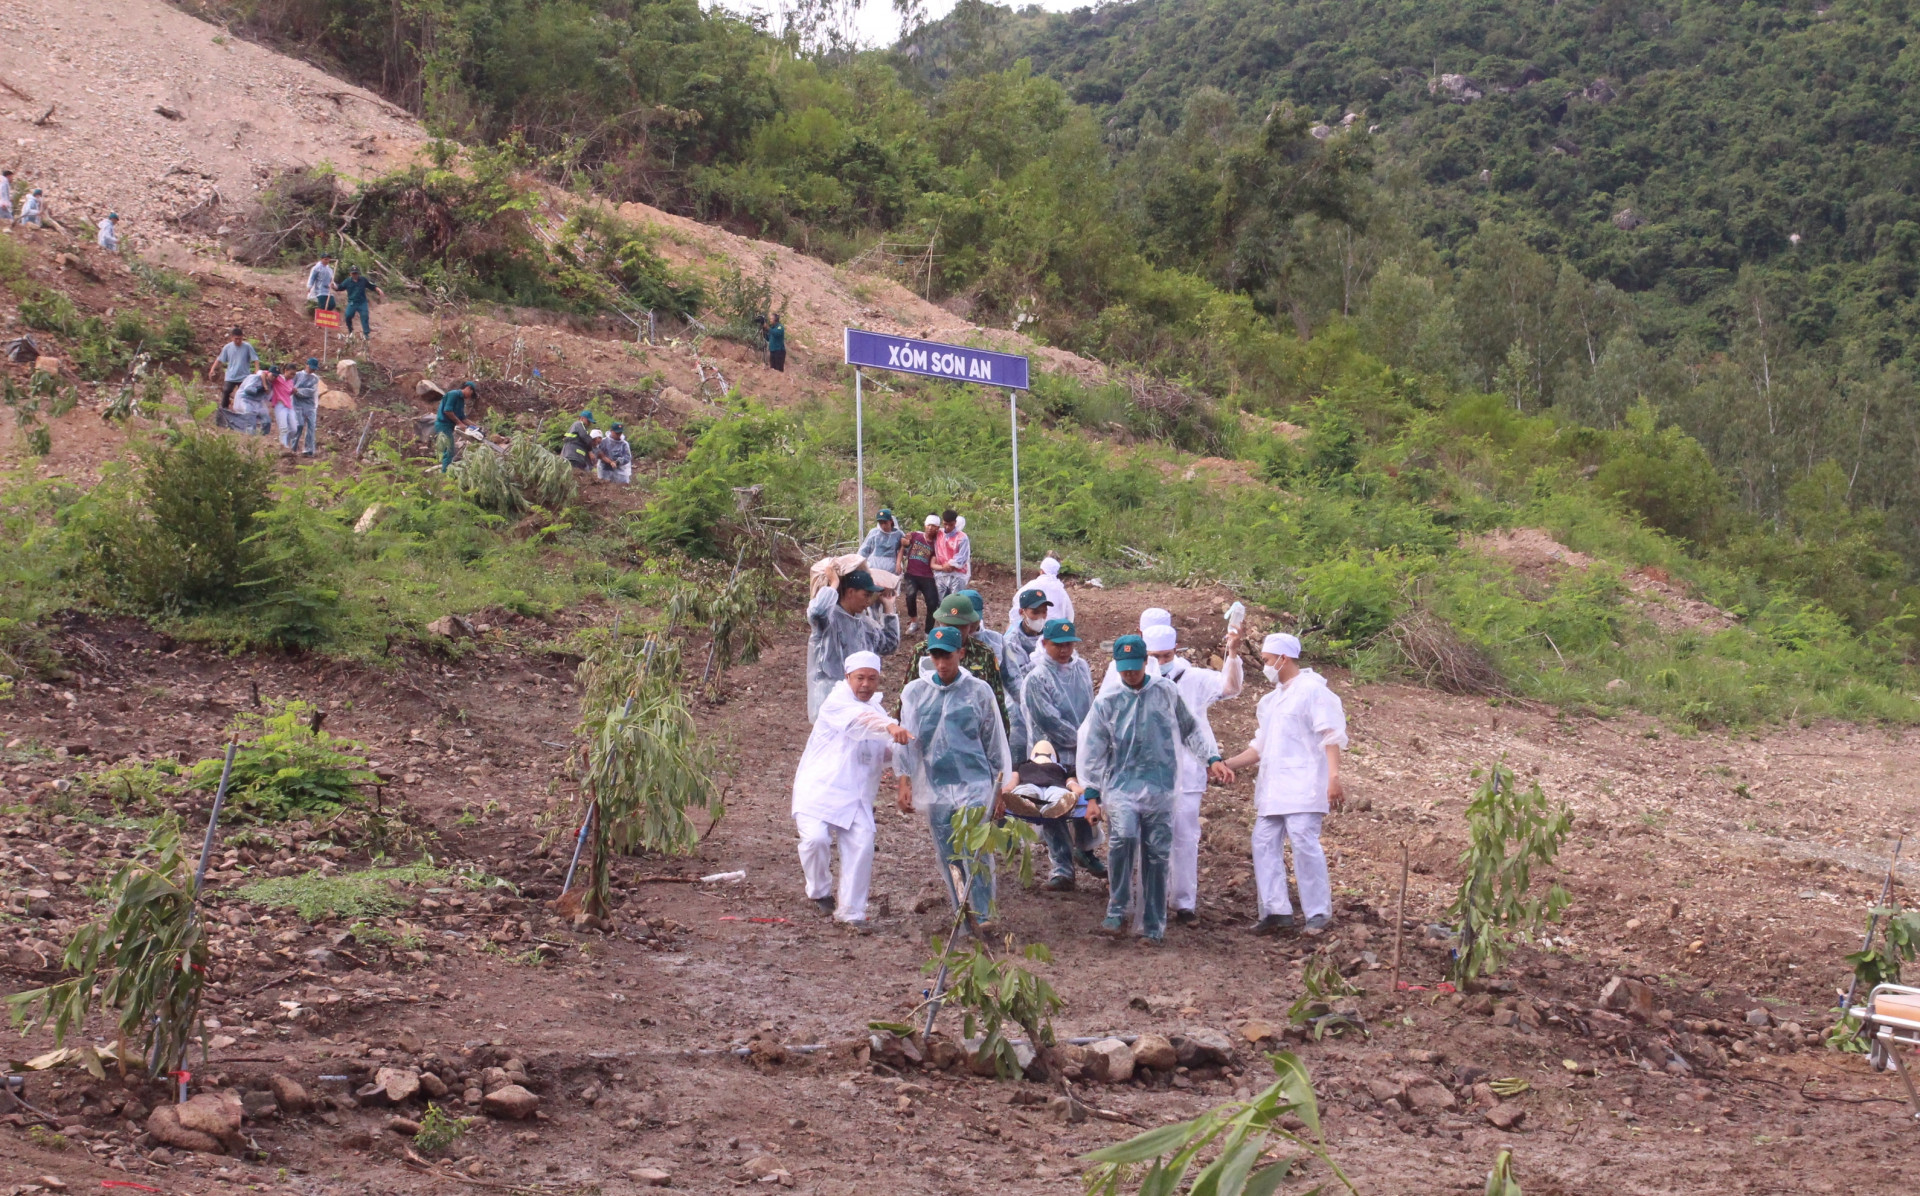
x=349, y=895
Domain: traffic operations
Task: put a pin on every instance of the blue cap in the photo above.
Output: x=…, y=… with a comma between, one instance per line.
x=587, y=415
x=1034, y=599
x=884, y=514
x=945, y=639
x=1060, y=631
x=313, y=363
x=1130, y=653
x=973, y=596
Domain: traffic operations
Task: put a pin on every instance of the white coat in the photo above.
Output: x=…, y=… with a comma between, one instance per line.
x=1298, y=722
x=1202, y=688
x=1061, y=606
x=840, y=769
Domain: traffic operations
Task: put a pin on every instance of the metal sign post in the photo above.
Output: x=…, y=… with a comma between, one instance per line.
x=1013, y=418
x=949, y=363
x=859, y=463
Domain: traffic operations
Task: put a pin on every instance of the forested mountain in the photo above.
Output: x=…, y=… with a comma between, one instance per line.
x=1683, y=233
x=1659, y=146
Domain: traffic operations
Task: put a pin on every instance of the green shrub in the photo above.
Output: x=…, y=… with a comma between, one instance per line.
x=287, y=769
x=51, y=312
x=527, y=475
x=183, y=535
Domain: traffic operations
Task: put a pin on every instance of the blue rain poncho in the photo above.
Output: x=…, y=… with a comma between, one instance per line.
x=959, y=750
x=1013, y=666
x=837, y=635
x=1054, y=700
x=1129, y=746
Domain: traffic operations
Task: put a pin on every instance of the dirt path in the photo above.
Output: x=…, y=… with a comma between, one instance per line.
x=643, y=1021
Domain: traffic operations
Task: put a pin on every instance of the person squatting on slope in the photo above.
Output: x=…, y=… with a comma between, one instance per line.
x=957, y=758
x=1128, y=760
x=1054, y=699
x=1200, y=688
x=1302, y=729
x=851, y=744
x=841, y=626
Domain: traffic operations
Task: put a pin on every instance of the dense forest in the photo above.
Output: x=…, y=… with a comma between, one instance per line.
x=1687, y=226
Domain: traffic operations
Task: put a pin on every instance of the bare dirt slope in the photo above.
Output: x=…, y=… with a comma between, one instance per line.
x=1729, y=873
x=241, y=113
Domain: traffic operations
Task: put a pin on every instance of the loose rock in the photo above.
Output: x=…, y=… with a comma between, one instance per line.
x=1112, y=1061
x=512, y=1103
x=1155, y=1052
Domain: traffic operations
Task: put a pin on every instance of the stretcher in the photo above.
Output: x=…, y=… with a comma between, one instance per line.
x=1890, y=1021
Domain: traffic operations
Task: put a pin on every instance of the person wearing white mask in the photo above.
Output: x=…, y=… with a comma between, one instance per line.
x=1201, y=688
x=1047, y=581
x=1153, y=616
x=1302, y=729
x=851, y=743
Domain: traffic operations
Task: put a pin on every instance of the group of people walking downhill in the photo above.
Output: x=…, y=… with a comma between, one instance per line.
x=1012, y=722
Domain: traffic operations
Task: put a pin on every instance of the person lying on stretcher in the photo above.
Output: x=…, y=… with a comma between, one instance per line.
x=1041, y=789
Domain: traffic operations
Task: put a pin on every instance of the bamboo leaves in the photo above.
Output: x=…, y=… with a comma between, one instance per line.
x=646, y=770
x=146, y=960
x=1235, y=1135
x=1509, y=833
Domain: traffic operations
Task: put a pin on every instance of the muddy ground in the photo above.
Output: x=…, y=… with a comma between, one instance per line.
x=1729, y=872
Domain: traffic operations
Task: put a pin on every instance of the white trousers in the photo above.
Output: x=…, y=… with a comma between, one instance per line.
x=1270, y=833
x=1183, y=871
x=817, y=841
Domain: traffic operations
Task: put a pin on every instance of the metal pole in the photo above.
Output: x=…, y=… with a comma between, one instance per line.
x=859, y=460
x=213, y=819
x=1013, y=415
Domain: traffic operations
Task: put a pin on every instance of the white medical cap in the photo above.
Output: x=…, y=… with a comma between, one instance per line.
x=861, y=660
x=1281, y=644
x=1153, y=616
x=1160, y=638
x=1050, y=567
x=932, y=521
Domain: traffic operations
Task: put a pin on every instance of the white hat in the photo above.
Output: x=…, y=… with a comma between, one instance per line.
x=1050, y=567
x=1161, y=637
x=932, y=521
x=1153, y=616
x=1281, y=644
x=861, y=660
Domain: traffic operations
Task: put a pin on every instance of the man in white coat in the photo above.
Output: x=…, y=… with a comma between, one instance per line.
x=1302, y=730
x=1201, y=688
x=833, y=788
x=1047, y=581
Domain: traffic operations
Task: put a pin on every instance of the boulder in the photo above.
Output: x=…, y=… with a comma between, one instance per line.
x=1112, y=1061
x=432, y=1085
x=348, y=371
x=259, y=1106
x=1627, y=996
x=164, y=1125
x=512, y=1103
x=1430, y=1096
x=651, y=1177
x=1386, y=1091
x=216, y=1114
x=397, y=1084
x=1202, y=1048
x=332, y=398
x=1759, y=1017
x=1505, y=1117
x=1155, y=1052
x=763, y=1166
x=405, y=1127
x=450, y=627
x=289, y=1095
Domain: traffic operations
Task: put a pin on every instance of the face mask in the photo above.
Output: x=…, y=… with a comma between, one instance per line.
x=1034, y=626
x=1272, y=671
x=1173, y=668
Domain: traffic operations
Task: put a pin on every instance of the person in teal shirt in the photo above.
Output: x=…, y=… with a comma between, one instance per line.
x=356, y=287
x=777, y=345
x=452, y=414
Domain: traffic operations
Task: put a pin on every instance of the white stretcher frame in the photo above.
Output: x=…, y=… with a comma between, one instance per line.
x=1889, y=1035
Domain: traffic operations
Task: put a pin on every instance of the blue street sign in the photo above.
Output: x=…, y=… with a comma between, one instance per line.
x=954, y=363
